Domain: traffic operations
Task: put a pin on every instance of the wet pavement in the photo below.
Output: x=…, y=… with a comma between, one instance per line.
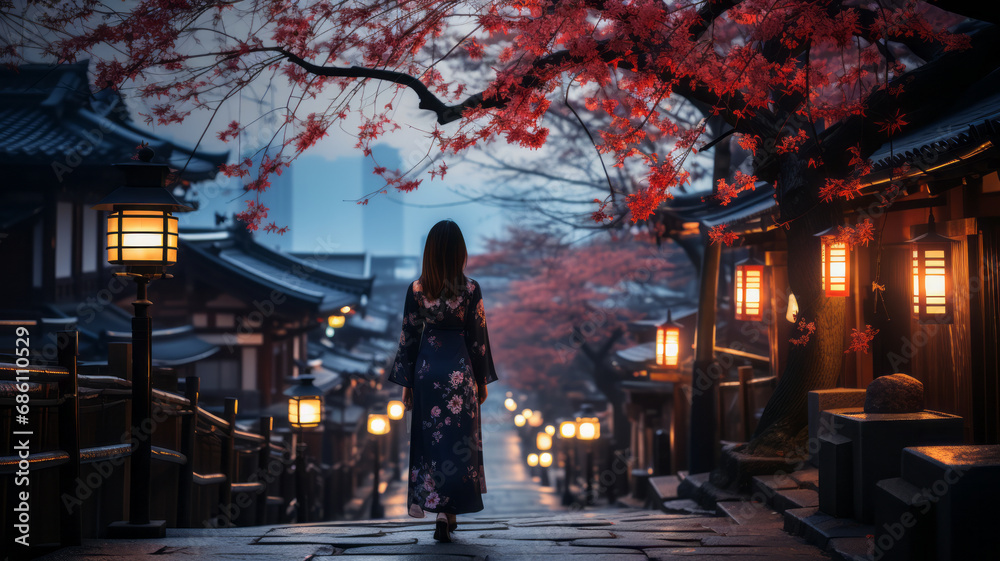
x=522, y=520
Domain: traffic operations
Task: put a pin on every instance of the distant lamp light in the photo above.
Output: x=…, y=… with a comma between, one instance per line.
x=378, y=424
x=749, y=289
x=543, y=441
x=668, y=344
x=835, y=260
x=510, y=404
x=330, y=331
x=305, y=403
x=519, y=420
x=567, y=429
x=535, y=420
x=345, y=310
x=532, y=460
x=588, y=426
x=793, y=308
x=395, y=410
x=550, y=430
x=932, y=298
x=527, y=413
x=545, y=459
x=336, y=322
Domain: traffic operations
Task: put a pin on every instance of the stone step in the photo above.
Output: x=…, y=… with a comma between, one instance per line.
x=819, y=528
x=747, y=513
x=795, y=498
x=664, y=487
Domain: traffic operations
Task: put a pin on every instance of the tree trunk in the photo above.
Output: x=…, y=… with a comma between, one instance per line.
x=817, y=364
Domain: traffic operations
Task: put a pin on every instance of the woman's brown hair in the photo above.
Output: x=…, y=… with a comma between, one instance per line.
x=444, y=261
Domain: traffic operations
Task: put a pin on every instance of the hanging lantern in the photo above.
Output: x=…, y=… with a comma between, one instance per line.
x=932, y=298
x=668, y=343
x=749, y=290
x=835, y=264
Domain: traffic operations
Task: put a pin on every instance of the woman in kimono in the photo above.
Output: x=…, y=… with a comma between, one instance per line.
x=444, y=363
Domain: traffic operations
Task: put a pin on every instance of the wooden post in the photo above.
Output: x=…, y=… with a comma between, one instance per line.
x=228, y=461
x=263, y=467
x=746, y=375
x=189, y=426
x=70, y=520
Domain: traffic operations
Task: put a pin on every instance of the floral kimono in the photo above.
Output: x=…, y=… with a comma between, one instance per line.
x=444, y=356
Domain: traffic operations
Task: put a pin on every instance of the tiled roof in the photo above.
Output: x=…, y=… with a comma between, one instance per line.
x=235, y=253
x=48, y=112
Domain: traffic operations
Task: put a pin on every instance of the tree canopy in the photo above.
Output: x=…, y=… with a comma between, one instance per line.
x=830, y=79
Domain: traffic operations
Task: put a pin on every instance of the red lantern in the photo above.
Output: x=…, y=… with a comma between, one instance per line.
x=836, y=264
x=749, y=290
x=932, y=298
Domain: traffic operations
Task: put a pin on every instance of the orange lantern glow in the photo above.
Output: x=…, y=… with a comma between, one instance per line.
x=749, y=290
x=668, y=343
x=932, y=299
x=835, y=261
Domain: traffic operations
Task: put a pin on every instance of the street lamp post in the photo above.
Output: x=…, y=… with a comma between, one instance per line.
x=142, y=237
x=378, y=425
x=589, y=430
x=305, y=410
x=395, y=409
x=567, y=431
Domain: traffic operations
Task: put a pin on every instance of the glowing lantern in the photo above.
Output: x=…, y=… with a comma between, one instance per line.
x=749, y=290
x=567, y=429
x=932, y=299
x=336, y=322
x=543, y=441
x=519, y=420
x=345, y=310
x=142, y=232
x=835, y=264
x=532, y=460
x=305, y=404
x=395, y=409
x=510, y=404
x=589, y=428
x=378, y=424
x=545, y=459
x=668, y=343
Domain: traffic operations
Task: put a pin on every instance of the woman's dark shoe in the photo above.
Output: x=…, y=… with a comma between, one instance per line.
x=441, y=530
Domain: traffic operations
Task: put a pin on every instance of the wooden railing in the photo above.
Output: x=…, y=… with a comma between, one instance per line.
x=206, y=471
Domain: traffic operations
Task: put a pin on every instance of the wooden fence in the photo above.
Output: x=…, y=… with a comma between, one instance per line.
x=205, y=470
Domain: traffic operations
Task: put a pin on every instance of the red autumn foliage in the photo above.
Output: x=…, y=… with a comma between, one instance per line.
x=558, y=290
x=784, y=76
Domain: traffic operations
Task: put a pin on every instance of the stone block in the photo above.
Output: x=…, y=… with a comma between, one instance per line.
x=903, y=532
x=958, y=487
x=896, y=393
x=836, y=476
x=824, y=400
x=878, y=439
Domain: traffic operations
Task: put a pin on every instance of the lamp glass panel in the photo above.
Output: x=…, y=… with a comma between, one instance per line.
x=310, y=409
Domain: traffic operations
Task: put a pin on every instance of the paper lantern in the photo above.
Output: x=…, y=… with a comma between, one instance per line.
x=931, y=269
x=749, y=290
x=668, y=344
x=835, y=261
